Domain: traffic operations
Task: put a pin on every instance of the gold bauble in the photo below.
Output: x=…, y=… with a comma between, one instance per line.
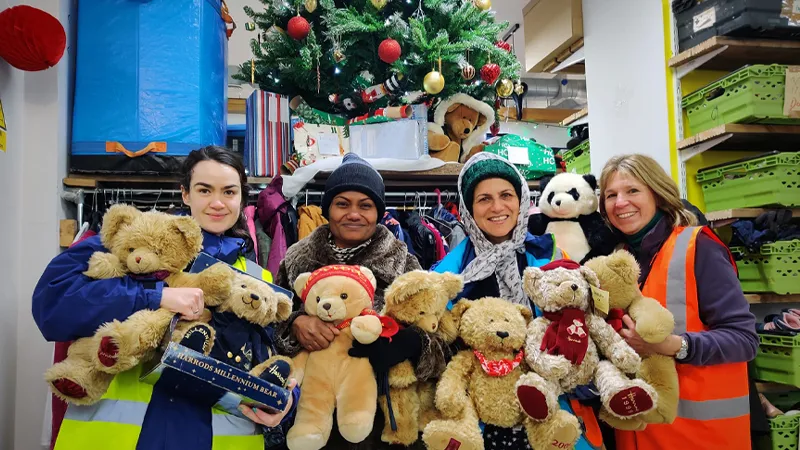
x=338, y=56
x=519, y=89
x=310, y=5
x=483, y=5
x=379, y=4
x=433, y=82
x=505, y=88
x=468, y=72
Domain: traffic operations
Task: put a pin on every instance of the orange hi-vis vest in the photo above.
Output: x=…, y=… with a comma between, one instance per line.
x=714, y=407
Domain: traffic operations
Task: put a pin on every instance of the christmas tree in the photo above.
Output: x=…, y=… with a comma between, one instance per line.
x=351, y=56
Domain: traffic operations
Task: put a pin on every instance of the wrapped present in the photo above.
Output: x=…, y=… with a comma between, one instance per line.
x=533, y=159
x=267, y=142
x=313, y=142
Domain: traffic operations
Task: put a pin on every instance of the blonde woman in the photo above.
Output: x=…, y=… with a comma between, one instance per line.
x=691, y=272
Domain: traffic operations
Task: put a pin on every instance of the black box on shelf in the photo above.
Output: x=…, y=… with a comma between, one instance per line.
x=700, y=20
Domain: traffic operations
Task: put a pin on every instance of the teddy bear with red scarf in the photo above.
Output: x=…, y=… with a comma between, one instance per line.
x=332, y=379
x=563, y=349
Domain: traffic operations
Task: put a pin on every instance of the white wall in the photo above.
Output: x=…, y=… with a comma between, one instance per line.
x=626, y=79
x=239, y=47
x=30, y=178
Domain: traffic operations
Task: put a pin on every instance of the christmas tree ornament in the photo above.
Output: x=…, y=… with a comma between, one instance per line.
x=519, y=89
x=310, y=5
x=503, y=45
x=31, y=39
x=434, y=80
x=338, y=56
x=298, y=28
x=250, y=26
x=389, y=51
x=379, y=4
x=468, y=72
x=483, y=5
x=490, y=72
x=505, y=88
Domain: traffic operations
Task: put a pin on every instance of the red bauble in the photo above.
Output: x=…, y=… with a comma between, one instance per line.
x=298, y=28
x=490, y=73
x=31, y=38
x=504, y=45
x=389, y=51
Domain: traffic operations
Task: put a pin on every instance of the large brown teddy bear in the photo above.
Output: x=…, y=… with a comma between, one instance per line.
x=332, y=379
x=619, y=276
x=142, y=245
x=478, y=384
x=459, y=126
x=418, y=299
x=563, y=348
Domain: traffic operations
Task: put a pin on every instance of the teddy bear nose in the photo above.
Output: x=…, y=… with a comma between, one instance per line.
x=558, y=202
x=254, y=296
x=326, y=306
x=574, y=287
x=138, y=259
x=502, y=334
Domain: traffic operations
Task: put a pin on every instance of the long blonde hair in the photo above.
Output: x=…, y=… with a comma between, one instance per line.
x=648, y=172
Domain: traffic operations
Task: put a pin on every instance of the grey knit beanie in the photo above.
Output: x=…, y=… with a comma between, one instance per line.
x=354, y=174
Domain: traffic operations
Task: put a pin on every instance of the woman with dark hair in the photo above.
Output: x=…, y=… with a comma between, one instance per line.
x=175, y=413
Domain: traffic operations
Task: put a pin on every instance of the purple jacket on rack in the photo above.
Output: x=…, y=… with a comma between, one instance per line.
x=271, y=205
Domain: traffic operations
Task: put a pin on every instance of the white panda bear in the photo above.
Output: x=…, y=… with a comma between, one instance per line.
x=568, y=206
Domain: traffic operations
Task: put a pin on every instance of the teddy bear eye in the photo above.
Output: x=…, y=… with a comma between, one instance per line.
x=317, y=299
x=131, y=250
x=244, y=286
x=422, y=313
x=491, y=320
x=343, y=296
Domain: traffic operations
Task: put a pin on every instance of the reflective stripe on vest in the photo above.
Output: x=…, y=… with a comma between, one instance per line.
x=132, y=413
x=253, y=269
x=713, y=408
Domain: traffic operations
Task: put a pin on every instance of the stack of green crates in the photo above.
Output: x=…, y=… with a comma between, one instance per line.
x=769, y=180
x=778, y=359
x=577, y=159
x=775, y=268
x=753, y=94
x=784, y=431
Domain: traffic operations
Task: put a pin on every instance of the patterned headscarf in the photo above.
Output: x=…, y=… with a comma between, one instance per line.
x=499, y=259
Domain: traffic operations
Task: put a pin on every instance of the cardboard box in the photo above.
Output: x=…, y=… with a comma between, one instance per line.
x=551, y=27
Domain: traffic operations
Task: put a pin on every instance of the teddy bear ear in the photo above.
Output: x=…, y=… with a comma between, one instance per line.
x=624, y=264
x=526, y=313
x=453, y=107
x=190, y=230
x=460, y=308
x=117, y=217
x=300, y=282
x=284, y=309
x=591, y=180
x=453, y=284
x=369, y=275
x=529, y=278
x=590, y=276
x=482, y=120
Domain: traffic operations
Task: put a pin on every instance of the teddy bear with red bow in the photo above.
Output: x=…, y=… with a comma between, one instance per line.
x=563, y=349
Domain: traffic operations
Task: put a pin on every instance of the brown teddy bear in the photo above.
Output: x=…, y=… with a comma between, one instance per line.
x=459, y=125
x=562, y=350
x=417, y=299
x=147, y=245
x=332, y=380
x=478, y=383
x=619, y=276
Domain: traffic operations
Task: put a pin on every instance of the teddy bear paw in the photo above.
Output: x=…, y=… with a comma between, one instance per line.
x=565, y=432
x=199, y=338
x=275, y=370
x=631, y=402
x=107, y=351
x=625, y=357
x=366, y=329
x=69, y=388
x=553, y=367
x=297, y=441
x=216, y=282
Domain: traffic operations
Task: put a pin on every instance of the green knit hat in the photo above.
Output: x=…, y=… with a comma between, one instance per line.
x=483, y=170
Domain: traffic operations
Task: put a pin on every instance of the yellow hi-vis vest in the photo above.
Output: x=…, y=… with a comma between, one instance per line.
x=116, y=420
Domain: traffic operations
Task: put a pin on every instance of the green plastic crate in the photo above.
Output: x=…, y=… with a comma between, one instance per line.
x=775, y=268
x=778, y=359
x=753, y=94
x=577, y=159
x=770, y=180
x=784, y=431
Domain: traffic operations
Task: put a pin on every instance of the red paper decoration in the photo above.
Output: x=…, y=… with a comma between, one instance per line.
x=504, y=45
x=31, y=39
x=389, y=51
x=298, y=28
